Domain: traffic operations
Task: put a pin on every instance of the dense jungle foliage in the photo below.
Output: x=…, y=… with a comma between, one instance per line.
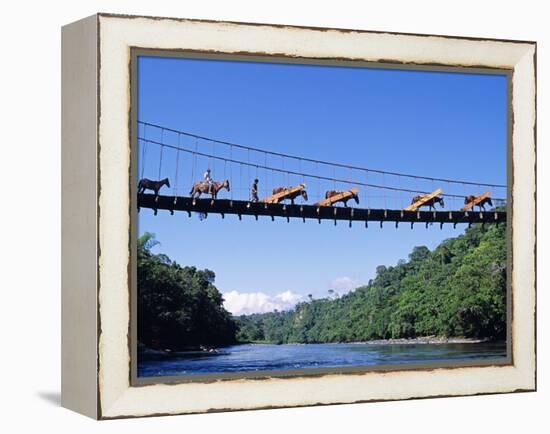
x=458, y=289
x=178, y=307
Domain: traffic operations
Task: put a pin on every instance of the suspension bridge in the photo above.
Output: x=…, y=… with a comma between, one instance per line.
x=261, y=183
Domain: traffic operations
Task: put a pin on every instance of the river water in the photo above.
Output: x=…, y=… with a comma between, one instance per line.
x=261, y=357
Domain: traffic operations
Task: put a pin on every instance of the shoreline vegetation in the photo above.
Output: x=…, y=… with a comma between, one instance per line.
x=455, y=293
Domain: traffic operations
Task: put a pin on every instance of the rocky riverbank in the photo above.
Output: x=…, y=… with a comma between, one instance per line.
x=424, y=340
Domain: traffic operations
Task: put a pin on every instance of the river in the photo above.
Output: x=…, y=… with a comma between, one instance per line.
x=261, y=357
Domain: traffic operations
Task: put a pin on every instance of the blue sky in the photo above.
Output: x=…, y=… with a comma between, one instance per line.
x=448, y=125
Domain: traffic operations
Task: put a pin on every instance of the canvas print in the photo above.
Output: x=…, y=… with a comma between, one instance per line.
x=297, y=218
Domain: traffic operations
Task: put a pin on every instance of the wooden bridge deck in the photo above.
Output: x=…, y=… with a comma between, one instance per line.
x=256, y=209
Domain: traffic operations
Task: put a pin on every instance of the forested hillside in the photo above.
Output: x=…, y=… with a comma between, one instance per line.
x=458, y=289
x=178, y=307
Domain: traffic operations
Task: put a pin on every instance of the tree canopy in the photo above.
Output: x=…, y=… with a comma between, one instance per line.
x=178, y=307
x=456, y=290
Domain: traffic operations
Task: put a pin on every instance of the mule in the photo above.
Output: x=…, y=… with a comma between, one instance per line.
x=291, y=196
x=481, y=204
x=147, y=184
x=431, y=203
x=203, y=187
x=332, y=193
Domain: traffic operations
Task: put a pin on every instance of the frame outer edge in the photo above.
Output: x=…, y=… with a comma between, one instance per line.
x=79, y=322
x=124, y=405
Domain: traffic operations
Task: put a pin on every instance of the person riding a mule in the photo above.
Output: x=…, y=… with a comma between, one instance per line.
x=206, y=187
x=208, y=179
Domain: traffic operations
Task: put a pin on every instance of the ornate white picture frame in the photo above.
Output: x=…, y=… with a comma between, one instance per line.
x=96, y=213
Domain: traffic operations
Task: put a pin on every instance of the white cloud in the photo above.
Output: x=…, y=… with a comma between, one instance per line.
x=239, y=303
x=344, y=284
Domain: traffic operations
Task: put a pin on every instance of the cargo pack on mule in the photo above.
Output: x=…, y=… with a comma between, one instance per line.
x=334, y=196
x=282, y=193
x=480, y=201
x=426, y=200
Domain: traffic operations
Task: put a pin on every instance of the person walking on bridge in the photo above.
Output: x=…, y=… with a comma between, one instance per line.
x=254, y=191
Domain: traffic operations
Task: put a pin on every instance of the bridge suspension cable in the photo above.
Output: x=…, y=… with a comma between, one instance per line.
x=316, y=161
x=283, y=171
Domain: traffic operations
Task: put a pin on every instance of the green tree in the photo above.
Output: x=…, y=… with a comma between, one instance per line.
x=459, y=289
x=178, y=307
